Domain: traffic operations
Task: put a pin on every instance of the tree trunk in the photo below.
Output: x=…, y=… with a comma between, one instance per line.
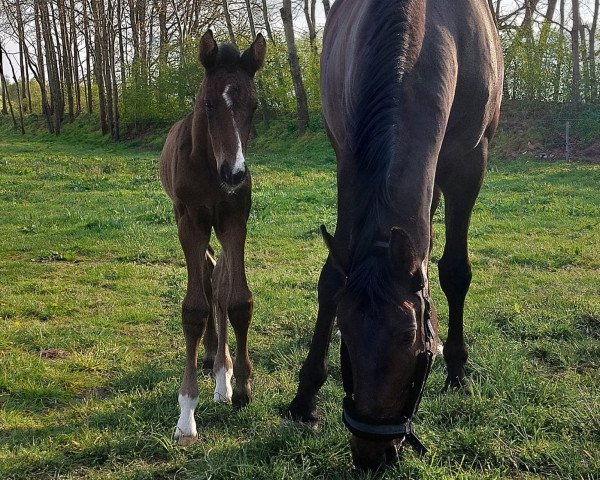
x=309, y=14
x=88, y=49
x=6, y=95
x=592, y=53
x=22, y=50
x=575, y=89
x=56, y=98
x=265, y=11
x=228, y=22
x=67, y=60
x=98, y=12
x=250, y=19
x=4, y=87
x=19, y=98
x=326, y=7
x=46, y=110
x=76, y=58
x=301, y=101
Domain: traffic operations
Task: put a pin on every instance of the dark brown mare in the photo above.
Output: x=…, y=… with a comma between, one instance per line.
x=204, y=173
x=411, y=95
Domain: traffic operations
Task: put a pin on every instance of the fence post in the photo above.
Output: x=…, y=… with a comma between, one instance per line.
x=568, y=141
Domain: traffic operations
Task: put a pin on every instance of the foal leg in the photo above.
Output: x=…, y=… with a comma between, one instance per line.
x=314, y=370
x=209, y=339
x=222, y=369
x=460, y=190
x=194, y=232
x=239, y=308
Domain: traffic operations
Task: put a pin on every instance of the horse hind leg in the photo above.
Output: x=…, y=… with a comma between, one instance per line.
x=223, y=366
x=237, y=303
x=193, y=235
x=460, y=191
x=210, y=339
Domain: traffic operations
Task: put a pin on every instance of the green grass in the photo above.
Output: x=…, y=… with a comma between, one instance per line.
x=91, y=350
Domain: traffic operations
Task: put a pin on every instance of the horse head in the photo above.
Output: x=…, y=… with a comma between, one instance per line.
x=228, y=99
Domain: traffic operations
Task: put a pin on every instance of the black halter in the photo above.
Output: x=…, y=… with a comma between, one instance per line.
x=370, y=429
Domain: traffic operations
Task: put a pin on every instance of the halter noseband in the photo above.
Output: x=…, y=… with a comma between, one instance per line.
x=370, y=429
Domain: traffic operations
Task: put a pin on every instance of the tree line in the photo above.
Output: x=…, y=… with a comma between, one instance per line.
x=132, y=64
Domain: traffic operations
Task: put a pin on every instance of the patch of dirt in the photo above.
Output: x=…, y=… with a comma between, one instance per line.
x=53, y=353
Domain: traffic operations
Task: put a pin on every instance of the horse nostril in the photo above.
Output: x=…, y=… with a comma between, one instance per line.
x=229, y=177
x=238, y=177
x=225, y=173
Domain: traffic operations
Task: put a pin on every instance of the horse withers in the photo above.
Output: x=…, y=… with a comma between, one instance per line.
x=411, y=94
x=203, y=170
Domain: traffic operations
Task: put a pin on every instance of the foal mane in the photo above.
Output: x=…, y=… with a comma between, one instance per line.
x=374, y=127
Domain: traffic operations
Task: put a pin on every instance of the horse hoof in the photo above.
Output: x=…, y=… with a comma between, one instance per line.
x=460, y=383
x=185, y=440
x=241, y=399
x=302, y=415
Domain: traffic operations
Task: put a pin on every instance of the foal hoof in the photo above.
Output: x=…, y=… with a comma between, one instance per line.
x=241, y=399
x=458, y=383
x=185, y=441
x=207, y=367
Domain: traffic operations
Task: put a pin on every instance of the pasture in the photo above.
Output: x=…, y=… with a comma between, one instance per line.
x=91, y=349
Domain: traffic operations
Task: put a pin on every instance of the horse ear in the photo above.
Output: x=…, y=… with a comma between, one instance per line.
x=208, y=50
x=402, y=252
x=253, y=57
x=338, y=260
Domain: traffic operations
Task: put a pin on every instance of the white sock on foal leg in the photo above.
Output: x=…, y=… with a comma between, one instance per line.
x=223, y=389
x=186, y=433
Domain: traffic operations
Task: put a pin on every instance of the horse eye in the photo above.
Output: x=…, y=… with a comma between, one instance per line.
x=209, y=106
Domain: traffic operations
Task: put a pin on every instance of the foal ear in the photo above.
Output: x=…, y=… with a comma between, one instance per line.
x=208, y=50
x=338, y=260
x=402, y=252
x=253, y=57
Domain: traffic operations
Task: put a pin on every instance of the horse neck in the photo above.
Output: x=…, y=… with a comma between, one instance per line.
x=201, y=141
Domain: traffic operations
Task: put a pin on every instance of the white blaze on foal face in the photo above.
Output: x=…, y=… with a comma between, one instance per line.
x=239, y=155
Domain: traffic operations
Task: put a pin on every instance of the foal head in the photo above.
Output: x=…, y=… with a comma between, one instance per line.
x=228, y=99
x=388, y=329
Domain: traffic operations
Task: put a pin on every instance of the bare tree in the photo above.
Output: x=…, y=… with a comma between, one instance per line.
x=301, y=101
x=327, y=7
x=228, y=22
x=576, y=86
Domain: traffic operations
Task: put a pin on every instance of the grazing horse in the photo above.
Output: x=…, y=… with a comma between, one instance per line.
x=202, y=169
x=411, y=94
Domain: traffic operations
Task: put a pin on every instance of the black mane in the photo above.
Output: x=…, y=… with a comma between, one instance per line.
x=374, y=132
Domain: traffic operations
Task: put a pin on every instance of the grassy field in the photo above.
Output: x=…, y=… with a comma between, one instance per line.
x=91, y=349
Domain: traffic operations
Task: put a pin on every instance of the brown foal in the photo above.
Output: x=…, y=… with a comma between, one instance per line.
x=203, y=170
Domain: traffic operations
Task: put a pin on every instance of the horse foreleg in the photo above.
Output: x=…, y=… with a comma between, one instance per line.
x=460, y=192
x=194, y=236
x=210, y=339
x=314, y=370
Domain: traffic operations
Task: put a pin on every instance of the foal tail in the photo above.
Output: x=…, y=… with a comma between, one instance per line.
x=210, y=256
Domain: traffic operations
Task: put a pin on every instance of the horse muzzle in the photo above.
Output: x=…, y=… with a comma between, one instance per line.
x=232, y=178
